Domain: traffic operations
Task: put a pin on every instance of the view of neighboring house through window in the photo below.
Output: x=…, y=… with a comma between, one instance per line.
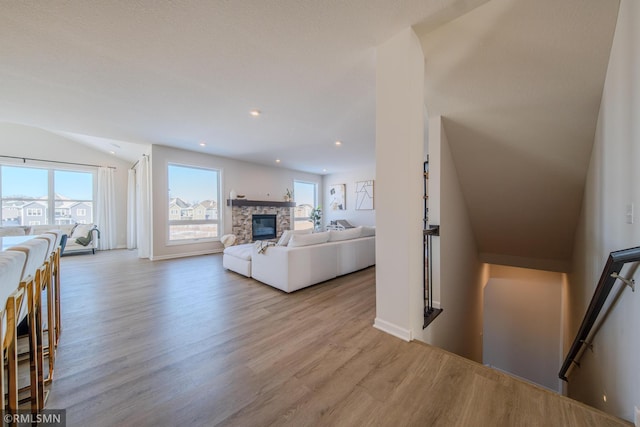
x=73, y=197
x=28, y=195
x=305, y=195
x=194, y=197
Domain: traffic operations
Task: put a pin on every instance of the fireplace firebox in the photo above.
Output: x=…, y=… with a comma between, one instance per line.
x=263, y=227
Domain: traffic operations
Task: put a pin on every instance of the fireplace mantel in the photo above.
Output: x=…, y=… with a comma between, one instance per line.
x=244, y=202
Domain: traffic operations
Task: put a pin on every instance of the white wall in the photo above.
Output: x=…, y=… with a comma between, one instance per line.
x=613, y=181
x=19, y=140
x=522, y=324
x=458, y=276
x=355, y=217
x=256, y=182
x=399, y=154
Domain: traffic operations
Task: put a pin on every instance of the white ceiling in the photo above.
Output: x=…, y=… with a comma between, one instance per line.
x=179, y=73
x=518, y=83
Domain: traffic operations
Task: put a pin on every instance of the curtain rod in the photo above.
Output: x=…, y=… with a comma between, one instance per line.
x=137, y=161
x=24, y=160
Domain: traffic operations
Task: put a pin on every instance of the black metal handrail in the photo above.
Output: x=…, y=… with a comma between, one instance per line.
x=614, y=264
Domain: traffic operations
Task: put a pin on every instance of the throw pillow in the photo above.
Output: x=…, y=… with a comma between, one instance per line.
x=286, y=236
x=84, y=241
x=228, y=240
x=81, y=230
x=351, y=233
x=298, y=240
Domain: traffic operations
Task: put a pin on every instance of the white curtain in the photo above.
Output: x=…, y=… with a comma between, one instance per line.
x=143, y=207
x=132, y=235
x=106, y=208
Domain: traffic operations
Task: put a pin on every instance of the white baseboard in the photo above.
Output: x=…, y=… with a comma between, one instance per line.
x=395, y=330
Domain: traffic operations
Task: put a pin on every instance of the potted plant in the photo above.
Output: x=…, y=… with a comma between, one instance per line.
x=316, y=217
x=288, y=196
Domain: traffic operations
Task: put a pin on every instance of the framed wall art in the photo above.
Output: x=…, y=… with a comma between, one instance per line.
x=337, y=197
x=364, y=195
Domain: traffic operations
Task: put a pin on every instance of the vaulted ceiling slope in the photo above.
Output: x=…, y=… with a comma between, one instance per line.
x=518, y=84
x=183, y=72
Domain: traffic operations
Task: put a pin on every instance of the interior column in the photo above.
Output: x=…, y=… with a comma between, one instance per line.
x=399, y=156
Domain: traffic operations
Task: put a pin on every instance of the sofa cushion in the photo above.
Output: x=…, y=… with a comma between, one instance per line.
x=286, y=235
x=240, y=251
x=368, y=231
x=298, y=240
x=12, y=231
x=348, y=234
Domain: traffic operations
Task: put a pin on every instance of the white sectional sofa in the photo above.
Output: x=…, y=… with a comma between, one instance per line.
x=305, y=259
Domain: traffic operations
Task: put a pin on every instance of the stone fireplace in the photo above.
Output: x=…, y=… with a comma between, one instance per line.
x=242, y=212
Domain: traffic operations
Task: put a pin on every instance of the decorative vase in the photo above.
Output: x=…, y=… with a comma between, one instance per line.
x=233, y=194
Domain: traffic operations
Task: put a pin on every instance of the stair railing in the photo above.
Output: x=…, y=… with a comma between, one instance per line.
x=430, y=312
x=610, y=274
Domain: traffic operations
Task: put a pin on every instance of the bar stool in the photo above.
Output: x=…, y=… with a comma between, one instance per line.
x=36, y=251
x=47, y=288
x=11, y=266
x=55, y=284
x=9, y=326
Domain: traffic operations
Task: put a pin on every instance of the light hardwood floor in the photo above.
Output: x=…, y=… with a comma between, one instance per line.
x=186, y=343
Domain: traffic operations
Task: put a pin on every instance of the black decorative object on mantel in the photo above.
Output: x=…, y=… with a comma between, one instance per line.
x=242, y=202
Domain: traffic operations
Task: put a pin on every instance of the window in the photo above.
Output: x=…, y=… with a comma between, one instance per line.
x=194, y=197
x=74, y=197
x=34, y=196
x=306, y=196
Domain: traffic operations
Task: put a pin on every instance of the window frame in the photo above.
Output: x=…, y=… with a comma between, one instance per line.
x=218, y=221
x=50, y=210
x=300, y=219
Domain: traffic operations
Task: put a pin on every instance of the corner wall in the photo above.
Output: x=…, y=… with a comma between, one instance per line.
x=458, y=276
x=613, y=182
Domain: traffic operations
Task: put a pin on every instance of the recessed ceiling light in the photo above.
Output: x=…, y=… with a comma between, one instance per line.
x=112, y=152
x=277, y=160
x=324, y=170
x=338, y=143
x=255, y=112
x=202, y=144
